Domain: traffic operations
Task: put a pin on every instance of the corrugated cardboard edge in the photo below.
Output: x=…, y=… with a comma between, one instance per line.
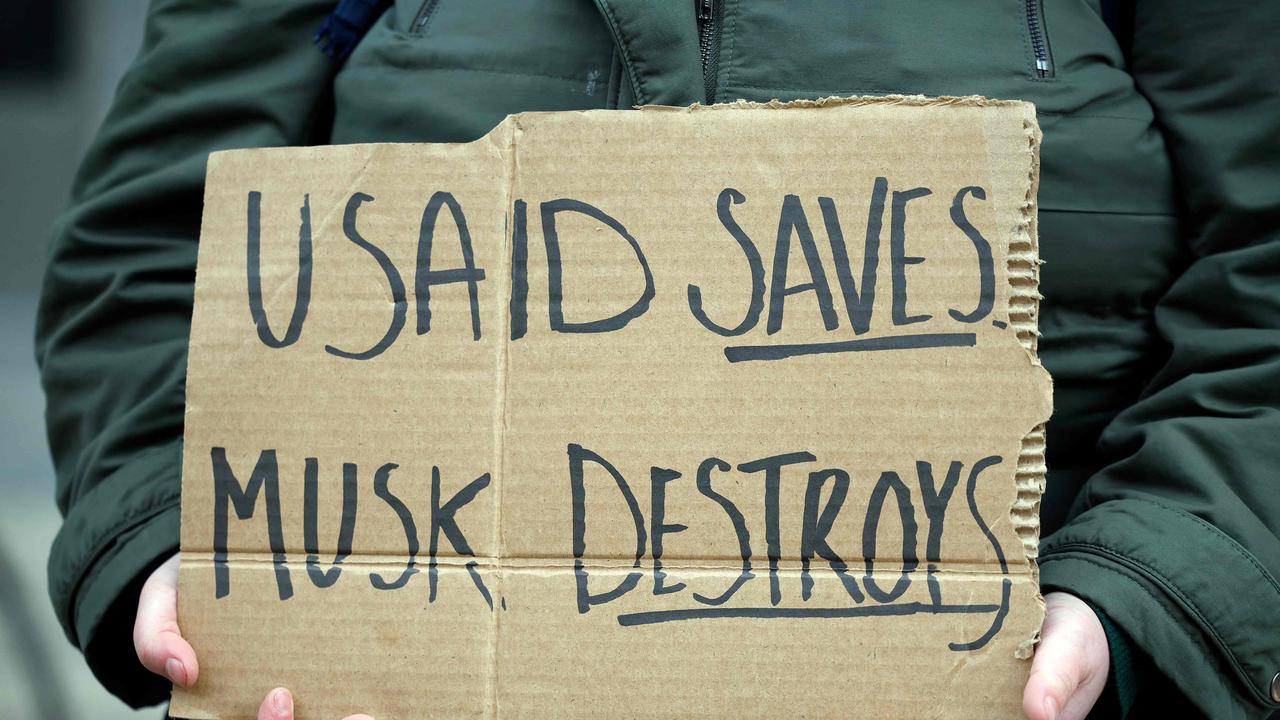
x=858, y=101
x=1024, y=316
x=1024, y=298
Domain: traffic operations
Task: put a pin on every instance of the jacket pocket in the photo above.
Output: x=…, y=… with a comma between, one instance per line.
x=1038, y=41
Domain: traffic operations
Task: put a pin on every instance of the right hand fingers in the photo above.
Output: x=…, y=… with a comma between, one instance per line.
x=156, y=637
x=278, y=705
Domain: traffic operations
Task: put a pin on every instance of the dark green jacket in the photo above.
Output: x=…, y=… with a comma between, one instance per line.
x=1159, y=227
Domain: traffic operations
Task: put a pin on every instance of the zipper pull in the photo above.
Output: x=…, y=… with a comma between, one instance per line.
x=703, y=9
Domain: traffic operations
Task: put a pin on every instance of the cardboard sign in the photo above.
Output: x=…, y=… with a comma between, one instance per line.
x=723, y=411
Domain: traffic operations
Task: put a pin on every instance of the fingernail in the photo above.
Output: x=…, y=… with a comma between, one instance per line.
x=282, y=701
x=1050, y=708
x=176, y=672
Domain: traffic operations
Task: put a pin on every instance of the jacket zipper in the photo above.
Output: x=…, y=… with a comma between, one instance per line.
x=423, y=17
x=708, y=12
x=1039, y=40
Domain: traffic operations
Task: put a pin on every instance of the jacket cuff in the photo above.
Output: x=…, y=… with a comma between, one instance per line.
x=1195, y=601
x=109, y=543
x=1125, y=678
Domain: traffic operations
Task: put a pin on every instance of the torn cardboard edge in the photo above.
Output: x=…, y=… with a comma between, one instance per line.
x=923, y=101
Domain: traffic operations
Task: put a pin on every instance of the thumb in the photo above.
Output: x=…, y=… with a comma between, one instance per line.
x=156, y=637
x=278, y=705
x=1071, y=662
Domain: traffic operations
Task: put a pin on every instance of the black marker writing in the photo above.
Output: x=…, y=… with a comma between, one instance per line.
x=253, y=270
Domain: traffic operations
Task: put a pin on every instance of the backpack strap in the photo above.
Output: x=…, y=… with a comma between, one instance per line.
x=346, y=25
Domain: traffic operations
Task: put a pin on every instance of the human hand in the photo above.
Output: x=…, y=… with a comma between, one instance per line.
x=163, y=651
x=156, y=637
x=279, y=706
x=1071, y=664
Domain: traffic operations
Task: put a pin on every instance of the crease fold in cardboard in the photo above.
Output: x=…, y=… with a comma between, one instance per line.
x=728, y=411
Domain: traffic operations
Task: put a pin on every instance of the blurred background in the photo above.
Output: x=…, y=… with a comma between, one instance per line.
x=59, y=64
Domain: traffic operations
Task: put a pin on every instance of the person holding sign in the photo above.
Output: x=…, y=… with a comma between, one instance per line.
x=1159, y=226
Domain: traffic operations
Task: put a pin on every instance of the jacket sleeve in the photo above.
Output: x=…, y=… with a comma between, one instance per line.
x=1175, y=539
x=116, y=306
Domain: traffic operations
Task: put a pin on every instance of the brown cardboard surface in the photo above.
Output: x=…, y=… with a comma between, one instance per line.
x=728, y=481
